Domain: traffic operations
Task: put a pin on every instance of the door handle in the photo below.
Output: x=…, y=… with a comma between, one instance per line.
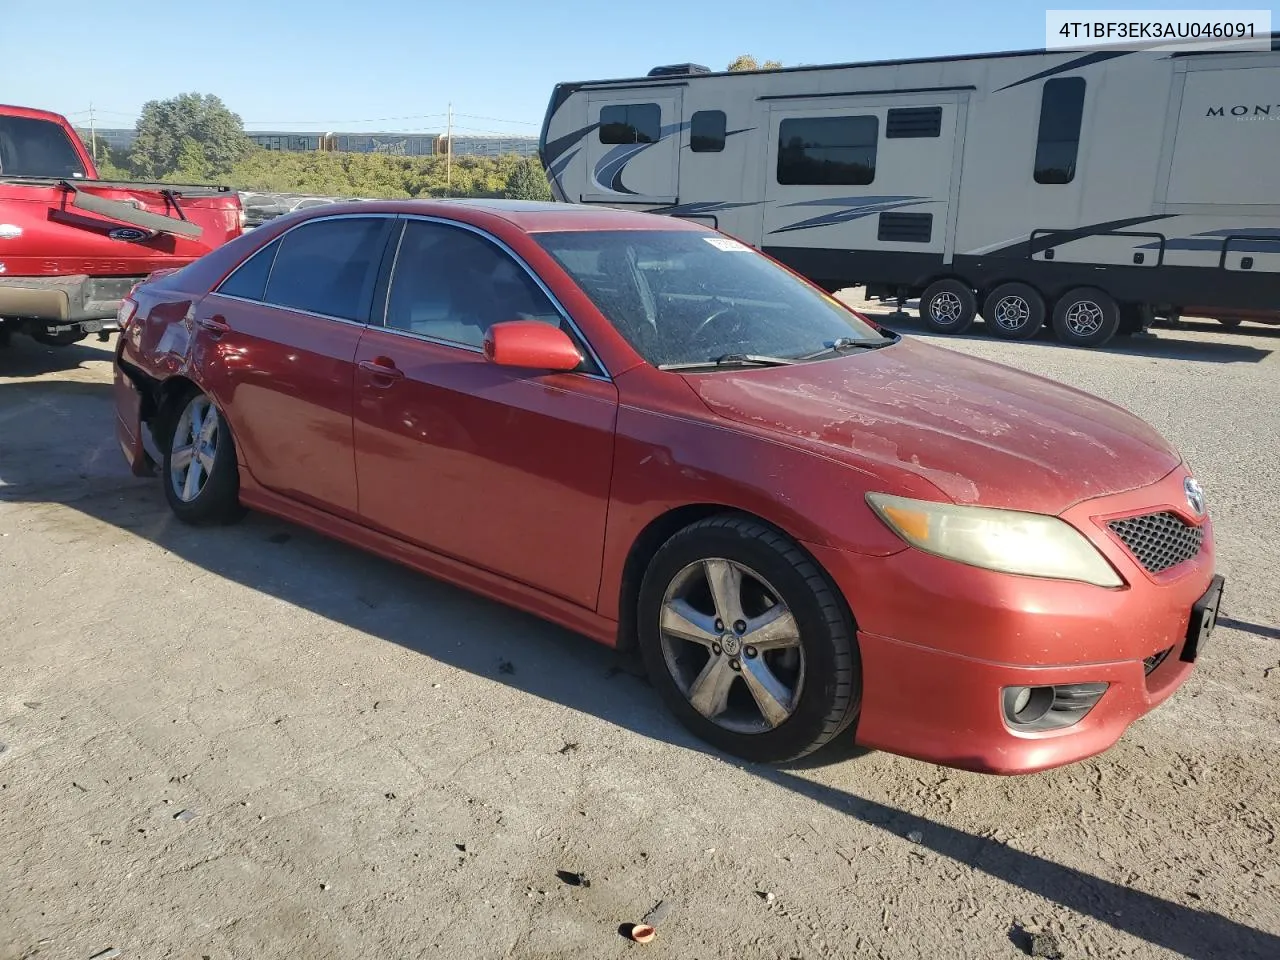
x=215, y=324
x=386, y=369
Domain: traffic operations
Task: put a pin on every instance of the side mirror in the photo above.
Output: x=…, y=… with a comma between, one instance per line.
x=531, y=344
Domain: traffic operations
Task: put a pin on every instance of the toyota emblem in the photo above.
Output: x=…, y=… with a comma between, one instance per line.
x=1195, y=495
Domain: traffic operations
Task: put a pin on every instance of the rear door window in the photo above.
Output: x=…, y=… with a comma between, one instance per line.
x=36, y=148
x=249, y=280
x=328, y=267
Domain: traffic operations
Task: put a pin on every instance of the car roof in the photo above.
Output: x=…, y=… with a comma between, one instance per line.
x=531, y=216
x=30, y=113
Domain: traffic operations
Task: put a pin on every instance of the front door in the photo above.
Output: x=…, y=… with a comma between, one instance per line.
x=284, y=329
x=504, y=469
x=633, y=155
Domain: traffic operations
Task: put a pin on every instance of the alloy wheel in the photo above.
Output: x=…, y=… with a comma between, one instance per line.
x=1084, y=318
x=732, y=645
x=946, y=308
x=1012, y=313
x=195, y=444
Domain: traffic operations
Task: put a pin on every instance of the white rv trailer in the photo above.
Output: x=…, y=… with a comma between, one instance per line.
x=1093, y=191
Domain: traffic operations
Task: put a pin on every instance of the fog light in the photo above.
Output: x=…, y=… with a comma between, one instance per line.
x=1022, y=696
x=1031, y=709
x=1026, y=705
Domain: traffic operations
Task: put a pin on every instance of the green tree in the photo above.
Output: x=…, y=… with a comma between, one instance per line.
x=747, y=62
x=113, y=164
x=370, y=174
x=528, y=181
x=194, y=133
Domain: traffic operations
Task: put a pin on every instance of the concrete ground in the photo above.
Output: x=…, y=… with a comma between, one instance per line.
x=253, y=743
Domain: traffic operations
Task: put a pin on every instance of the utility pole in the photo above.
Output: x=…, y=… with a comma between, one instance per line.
x=448, y=157
x=93, y=136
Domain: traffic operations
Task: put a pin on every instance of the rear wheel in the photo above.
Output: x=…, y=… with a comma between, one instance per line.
x=1014, y=311
x=1230, y=323
x=1086, y=317
x=62, y=338
x=201, y=478
x=747, y=640
x=948, y=306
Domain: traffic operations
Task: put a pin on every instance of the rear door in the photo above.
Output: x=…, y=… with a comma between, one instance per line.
x=863, y=173
x=633, y=155
x=276, y=346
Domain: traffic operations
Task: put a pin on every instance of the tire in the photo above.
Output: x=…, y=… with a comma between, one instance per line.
x=948, y=306
x=1014, y=311
x=64, y=338
x=814, y=669
x=1230, y=323
x=214, y=496
x=1086, y=317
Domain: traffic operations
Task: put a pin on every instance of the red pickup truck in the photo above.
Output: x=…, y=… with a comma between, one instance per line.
x=72, y=246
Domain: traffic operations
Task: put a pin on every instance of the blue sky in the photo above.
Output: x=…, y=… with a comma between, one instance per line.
x=397, y=64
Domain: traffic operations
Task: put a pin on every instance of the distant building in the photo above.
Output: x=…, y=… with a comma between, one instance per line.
x=115, y=139
x=396, y=144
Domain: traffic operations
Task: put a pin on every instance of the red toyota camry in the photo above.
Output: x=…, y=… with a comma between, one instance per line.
x=654, y=435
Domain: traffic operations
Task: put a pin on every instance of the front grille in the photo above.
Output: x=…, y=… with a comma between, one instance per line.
x=1150, y=663
x=1159, y=541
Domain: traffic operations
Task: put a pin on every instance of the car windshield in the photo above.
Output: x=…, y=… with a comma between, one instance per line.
x=684, y=297
x=36, y=148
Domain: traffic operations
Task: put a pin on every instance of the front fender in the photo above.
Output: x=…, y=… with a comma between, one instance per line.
x=664, y=461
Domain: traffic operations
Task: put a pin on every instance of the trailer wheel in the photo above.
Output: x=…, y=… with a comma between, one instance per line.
x=1086, y=317
x=1014, y=311
x=948, y=306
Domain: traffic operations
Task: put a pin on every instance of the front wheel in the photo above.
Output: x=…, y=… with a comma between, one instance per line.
x=747, y=641
x=201, y=478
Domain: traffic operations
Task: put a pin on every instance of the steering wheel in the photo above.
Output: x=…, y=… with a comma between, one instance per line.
x=715, y=316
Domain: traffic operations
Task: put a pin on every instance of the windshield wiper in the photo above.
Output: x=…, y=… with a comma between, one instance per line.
x=732, y=360
x=849, y=343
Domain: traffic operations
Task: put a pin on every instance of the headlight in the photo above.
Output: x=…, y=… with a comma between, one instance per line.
x=1009, y=541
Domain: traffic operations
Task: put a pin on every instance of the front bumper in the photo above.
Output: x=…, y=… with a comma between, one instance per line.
x=74, y=300
x=940, y=640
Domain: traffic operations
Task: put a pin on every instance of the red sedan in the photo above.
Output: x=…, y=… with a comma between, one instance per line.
x=652, y=434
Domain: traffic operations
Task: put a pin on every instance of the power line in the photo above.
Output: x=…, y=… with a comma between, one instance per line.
x=412, y=116
x=491, y=133
x=330, y=124
x=472, y=116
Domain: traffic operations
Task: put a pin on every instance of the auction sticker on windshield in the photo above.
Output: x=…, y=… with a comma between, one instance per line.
x=725, y=243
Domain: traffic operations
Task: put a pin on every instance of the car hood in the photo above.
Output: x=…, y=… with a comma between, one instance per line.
x=981, y=432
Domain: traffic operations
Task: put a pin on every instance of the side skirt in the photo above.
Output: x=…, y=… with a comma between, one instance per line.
x=452, y=571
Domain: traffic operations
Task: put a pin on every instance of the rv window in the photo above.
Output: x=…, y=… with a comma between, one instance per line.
x=1058, y=143
x=706, y=131
x=907, y=122
x=828, y=150
x=630, y=123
